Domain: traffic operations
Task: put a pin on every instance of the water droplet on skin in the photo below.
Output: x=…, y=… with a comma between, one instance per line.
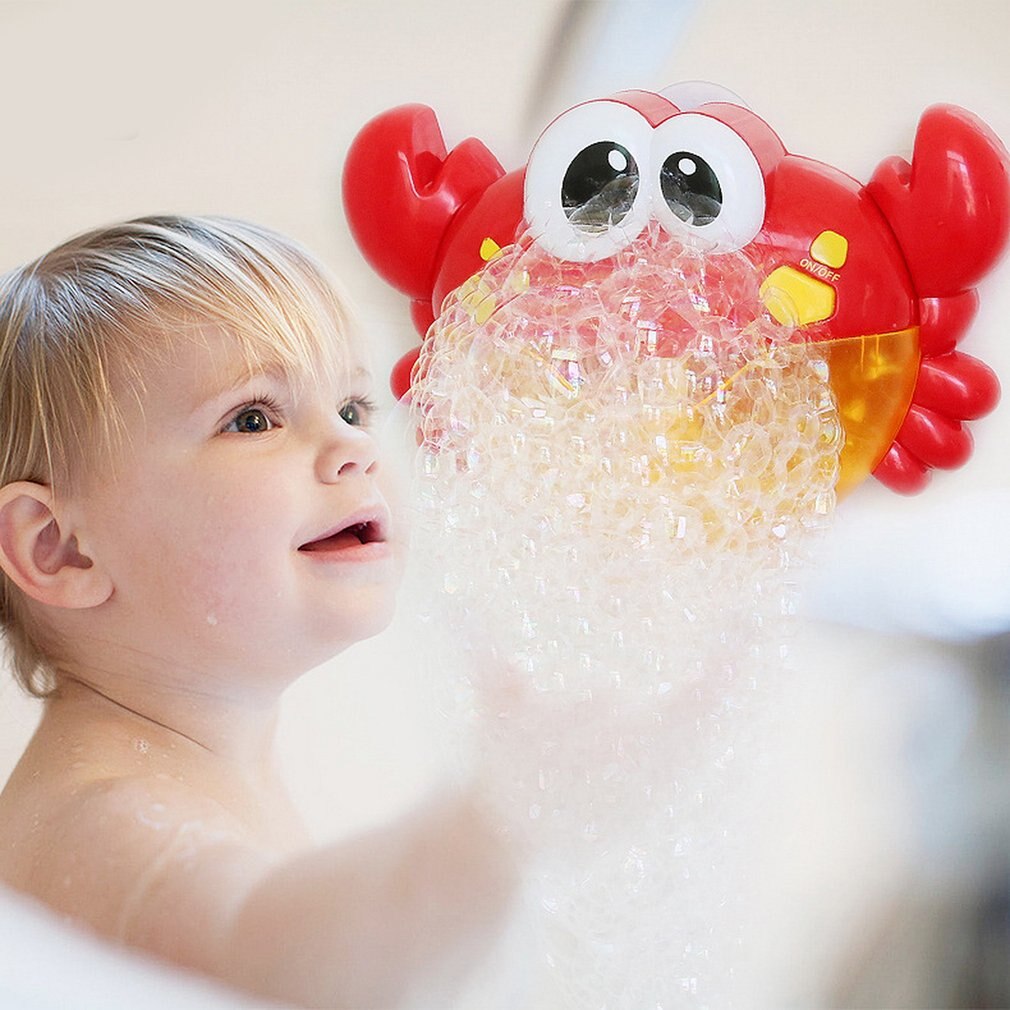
x=212, y=619
x=141, y=745
x=152, y=816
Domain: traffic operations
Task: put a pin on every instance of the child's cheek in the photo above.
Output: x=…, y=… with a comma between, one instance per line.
x=233, y=561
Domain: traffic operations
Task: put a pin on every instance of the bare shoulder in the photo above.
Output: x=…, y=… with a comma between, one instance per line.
x=143, y=859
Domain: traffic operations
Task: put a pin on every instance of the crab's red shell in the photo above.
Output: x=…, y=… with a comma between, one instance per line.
x=881, y=275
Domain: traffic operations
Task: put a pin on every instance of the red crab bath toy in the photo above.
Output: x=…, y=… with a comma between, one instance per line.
x=880, y=276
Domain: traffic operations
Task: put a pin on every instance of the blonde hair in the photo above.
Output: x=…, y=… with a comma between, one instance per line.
x=77, y=324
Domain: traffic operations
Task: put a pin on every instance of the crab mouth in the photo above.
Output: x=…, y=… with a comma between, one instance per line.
x=353, y=535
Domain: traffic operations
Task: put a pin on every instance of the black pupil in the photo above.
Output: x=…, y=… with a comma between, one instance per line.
x=252, y=420
x=351, y=414
x=599, y=187
x=690, y=188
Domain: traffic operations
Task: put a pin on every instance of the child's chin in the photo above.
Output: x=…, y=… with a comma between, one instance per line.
x=372, y=614
x=379, y=623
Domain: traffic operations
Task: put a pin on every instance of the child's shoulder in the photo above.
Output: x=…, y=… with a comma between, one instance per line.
x=94, y=837
x=60, y=827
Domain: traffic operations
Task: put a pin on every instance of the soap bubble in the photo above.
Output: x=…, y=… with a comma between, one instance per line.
x=620, y=466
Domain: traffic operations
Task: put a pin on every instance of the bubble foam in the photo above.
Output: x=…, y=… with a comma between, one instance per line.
x=619, y=467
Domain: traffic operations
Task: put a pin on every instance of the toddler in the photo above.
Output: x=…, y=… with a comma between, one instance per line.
x=192, y=514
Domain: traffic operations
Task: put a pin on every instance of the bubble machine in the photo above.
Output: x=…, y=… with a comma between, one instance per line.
x=652, y=361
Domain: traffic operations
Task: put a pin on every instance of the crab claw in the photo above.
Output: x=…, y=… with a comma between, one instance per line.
x=401, y=190
x=957, y=385
x=951, y=388
x=949, y=209
x=399, y=379
x=926, y=440
x=901, y=471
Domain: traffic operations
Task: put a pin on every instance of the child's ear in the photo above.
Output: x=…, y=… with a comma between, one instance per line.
x=40, y=556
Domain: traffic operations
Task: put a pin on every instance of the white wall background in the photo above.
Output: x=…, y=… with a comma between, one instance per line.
x=112, y=110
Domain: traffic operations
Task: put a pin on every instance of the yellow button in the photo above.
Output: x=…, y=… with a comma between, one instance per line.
x=489, y=249
x=795, y=298
x=830, y=248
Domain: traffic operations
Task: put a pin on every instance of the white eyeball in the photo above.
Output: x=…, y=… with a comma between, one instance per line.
x=588, y=180
x=710, y=185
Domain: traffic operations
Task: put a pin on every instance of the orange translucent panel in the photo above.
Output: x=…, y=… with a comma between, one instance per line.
x=872, y=378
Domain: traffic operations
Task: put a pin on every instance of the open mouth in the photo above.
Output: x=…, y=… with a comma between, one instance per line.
x=349, y=537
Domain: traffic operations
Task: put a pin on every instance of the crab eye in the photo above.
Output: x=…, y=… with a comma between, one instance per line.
x=711, y=184
x=583, y=198
x=600, y=186
x=690, y=188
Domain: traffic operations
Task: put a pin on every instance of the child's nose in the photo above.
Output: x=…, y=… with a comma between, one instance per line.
x=347, y=451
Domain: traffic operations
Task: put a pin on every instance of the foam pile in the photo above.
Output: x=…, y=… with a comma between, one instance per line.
x=619, y=468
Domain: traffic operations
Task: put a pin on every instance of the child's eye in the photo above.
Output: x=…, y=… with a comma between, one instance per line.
x=357, y=412
x=249, y=420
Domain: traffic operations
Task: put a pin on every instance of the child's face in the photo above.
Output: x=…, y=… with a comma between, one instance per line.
x=244, y=526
